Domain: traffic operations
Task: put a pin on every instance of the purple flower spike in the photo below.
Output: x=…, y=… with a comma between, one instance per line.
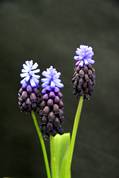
x=51, y=79
x=83, y=79
x=51, y=107
x=29, y=95
x=84, y=56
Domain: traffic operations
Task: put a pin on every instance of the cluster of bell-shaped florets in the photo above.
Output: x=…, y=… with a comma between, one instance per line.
x=84, y=74
x=29, y=94
x=48, y=103
x=51, y=107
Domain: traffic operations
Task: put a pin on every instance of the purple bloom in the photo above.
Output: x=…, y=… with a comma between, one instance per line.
x=84, y=56
x=51, y=79
x=52, y=106
x=83, y=79
x=29, y=74
x=29, y=94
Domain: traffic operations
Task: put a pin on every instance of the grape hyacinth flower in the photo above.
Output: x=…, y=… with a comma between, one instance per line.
x=52, y=106
x=29, y=95
x=84, y=74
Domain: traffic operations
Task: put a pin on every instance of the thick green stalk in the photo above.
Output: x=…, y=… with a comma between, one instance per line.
x=42, y=144
x=75, y=128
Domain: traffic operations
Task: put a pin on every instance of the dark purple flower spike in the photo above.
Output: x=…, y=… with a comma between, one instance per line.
x=29, y=95
x=52, y=106
x=84, y=74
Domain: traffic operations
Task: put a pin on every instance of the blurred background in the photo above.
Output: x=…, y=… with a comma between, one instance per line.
x=48, y=31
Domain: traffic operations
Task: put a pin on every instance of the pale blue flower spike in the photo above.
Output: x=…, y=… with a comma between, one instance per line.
x=51, y=78
x=84, y=55
x=29, y=74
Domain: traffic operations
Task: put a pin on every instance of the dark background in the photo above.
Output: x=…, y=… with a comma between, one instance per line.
x=49, y=32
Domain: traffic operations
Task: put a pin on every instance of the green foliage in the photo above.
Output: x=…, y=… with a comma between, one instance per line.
x=59, y=147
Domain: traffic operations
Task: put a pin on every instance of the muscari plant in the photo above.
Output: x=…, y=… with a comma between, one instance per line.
x=45, y=100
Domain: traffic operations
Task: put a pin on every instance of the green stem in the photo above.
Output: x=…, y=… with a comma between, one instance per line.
x=75, y=128
x=42, y=144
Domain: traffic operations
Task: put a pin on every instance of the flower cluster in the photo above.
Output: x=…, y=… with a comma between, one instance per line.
x=29, y=95
x=84, y=74
x=49, y=102
x=52, y=106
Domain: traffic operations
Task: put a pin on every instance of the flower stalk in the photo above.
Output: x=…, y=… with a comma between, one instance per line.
x=42, y=144
x=75, y=128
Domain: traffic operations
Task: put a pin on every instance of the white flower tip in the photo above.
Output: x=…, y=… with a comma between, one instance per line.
x=29, y=73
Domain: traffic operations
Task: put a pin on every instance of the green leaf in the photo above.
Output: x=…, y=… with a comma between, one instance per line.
x=59, y=147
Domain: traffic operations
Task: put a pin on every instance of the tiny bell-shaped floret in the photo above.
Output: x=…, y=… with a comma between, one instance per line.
x=84, y=74
x=29, y=95
x=52, y=107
